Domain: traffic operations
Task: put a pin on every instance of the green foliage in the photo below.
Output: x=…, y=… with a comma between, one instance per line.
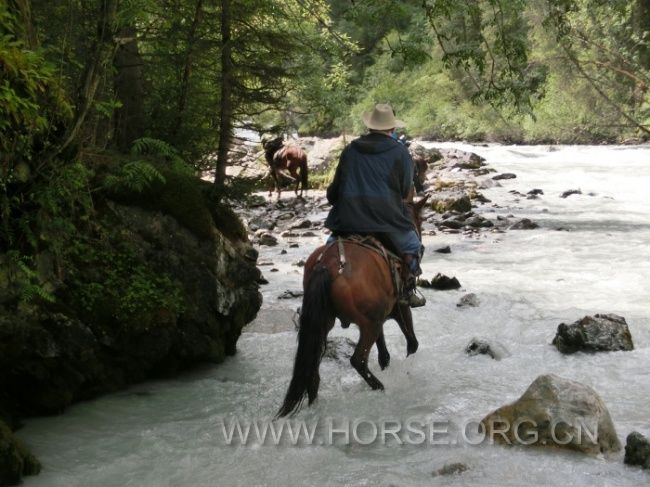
x=29, y=287
x=134, y=177
x=112, y=284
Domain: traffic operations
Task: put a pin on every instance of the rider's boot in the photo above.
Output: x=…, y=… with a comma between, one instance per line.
x=409, y=275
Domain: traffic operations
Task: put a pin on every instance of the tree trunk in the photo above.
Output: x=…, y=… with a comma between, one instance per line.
x=225, y=119
x=129, y=118
x=187, y=70
x=101, y=57
x=25, y=9
x=225, y=115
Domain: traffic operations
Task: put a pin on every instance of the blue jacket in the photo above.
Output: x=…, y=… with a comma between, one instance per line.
x=374, y=176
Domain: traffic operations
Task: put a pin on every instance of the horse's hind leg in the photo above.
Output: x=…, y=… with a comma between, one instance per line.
x=402, y=314
x=368, y=336
x=382, y=351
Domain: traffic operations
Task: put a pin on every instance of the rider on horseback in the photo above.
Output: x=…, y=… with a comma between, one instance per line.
x=370, y=190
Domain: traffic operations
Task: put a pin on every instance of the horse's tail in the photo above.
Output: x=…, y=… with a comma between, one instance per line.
x=316, y=318
x=304, y=172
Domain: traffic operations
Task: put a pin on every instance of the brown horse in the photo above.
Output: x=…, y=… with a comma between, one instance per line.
x=420, y=173
x=356, y=289
x=293, y=159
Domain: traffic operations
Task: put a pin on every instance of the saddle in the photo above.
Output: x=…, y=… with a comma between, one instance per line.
x=373, y=243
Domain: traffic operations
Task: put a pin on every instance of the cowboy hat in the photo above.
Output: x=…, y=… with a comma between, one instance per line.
x=382, y=118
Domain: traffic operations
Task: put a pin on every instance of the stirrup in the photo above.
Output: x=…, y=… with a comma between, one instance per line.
x=416, y=300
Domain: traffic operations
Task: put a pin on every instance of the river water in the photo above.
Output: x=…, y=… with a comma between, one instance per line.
x=172, y=432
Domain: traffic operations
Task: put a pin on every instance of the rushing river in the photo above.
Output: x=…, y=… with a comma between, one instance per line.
x=171, y=432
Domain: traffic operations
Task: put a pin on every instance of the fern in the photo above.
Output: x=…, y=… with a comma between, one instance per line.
x=29, y=282
x=147, y=146
x=153, y=147
x=135, y=176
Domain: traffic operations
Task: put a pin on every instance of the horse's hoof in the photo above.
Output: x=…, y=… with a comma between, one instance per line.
x=384, y=362
x=411, y=347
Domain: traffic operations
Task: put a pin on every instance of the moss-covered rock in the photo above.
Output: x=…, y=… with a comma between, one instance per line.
x=15, y=460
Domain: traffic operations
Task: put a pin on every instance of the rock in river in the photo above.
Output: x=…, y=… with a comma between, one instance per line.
x=524, y=224
x=505, y=175
x=555, y=412
x=483, y=347
x=637, y=450
x=599, y=333
x=440, y=282
x=468, y=301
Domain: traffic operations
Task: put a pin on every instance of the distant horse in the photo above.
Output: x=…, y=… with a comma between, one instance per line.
x=354, y=283
x=289, y=162
x=420, y=173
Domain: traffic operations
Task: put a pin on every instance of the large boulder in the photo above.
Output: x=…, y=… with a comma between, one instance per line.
x=599, y=333
x=637, y=450
x=99, y=338
x=555, y=412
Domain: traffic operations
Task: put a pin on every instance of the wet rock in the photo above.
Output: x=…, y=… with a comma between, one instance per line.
x=468, y=301
x=267, y=240
x=535, y=192
x=301, y=225
x=477, y=346
x=289, y=294
x=479, y=222
x=461, y=204
x=637, y=450
x=440, y=282
x=451, y=223
x=479, y=197
x=300, y=263
x=274, y=270
x=451, y=469
x=15, y=460
x=472, y=163
x=505, y=175
x=570, y=192
x=339, y=349
x=600, y=333
x=524, y=224
x=555, y=412
x=260, y=223
x=288, y=234
x=283, y=252
x=308, y=234
x=428, y=155
x=444, y=250
x=262, y=280
x=293, y=246
x=286, y=216
x=256, y=201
